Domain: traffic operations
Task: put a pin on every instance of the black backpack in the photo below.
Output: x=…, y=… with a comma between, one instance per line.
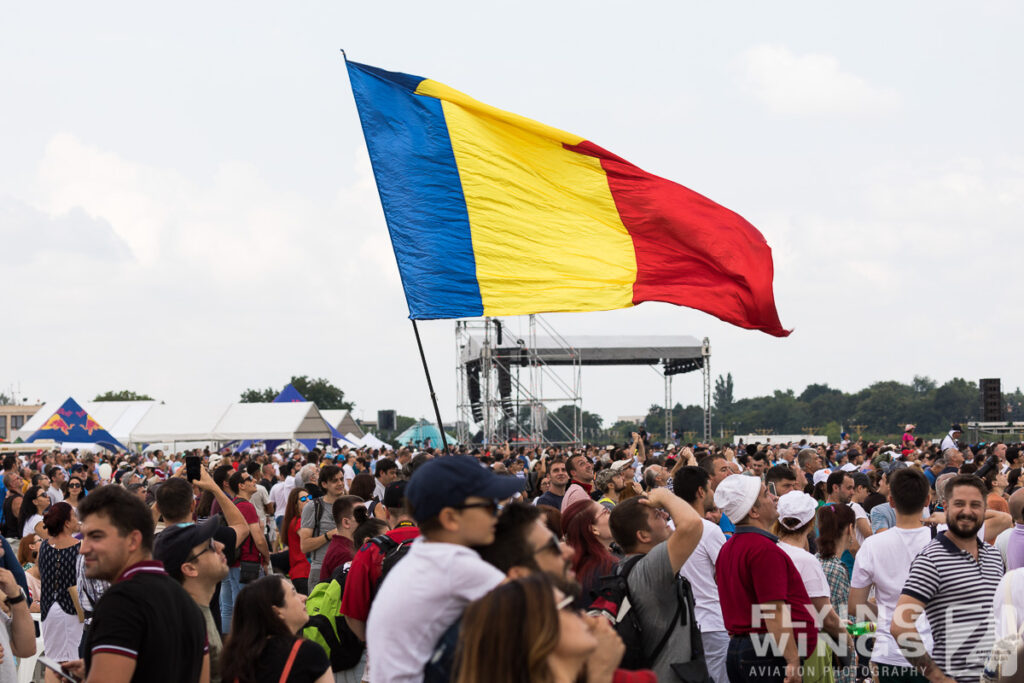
x=615, y=602
x=392, y=551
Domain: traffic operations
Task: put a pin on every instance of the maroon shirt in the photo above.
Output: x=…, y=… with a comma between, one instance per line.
x=753, y=570
x=339, y=551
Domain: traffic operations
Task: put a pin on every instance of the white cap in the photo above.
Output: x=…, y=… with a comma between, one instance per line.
x=620, y=465
x=848, y=467
x=736, y=494
x=799, y=505
x=149, y=463
x=821, y=475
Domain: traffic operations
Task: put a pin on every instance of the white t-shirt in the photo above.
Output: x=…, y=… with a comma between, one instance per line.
x=349, y=474
x=30, y=524
x=8, y=670
x=1002, y=541
x=810, y=571
x=859, y=513
x=279, y=495
x=884, y=561
x=427, y=590
x=259, y=501
x=1009, y=618
x=699, y=570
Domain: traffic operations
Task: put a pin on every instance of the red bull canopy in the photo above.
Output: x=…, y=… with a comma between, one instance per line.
x=72, y=423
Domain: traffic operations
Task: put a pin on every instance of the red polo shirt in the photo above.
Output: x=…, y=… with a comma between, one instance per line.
x=753, y=570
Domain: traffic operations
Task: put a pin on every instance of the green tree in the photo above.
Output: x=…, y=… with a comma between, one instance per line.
x=123, y=395
x=5, y=400
x=923, y=384
x=258, y=395
x=325, y=395
x=723, y=392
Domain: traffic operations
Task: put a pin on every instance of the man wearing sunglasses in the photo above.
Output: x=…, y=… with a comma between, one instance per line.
x=455, y=502
x=193, y=558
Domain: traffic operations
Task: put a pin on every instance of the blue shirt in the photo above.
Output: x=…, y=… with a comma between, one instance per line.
x=726, y=525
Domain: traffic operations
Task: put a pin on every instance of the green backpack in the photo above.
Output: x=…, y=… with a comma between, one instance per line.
x=327, y=627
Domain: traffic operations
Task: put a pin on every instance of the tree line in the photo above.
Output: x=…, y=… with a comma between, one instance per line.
x=880, y=410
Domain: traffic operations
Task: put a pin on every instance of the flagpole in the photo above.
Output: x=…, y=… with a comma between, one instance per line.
x=430, y=386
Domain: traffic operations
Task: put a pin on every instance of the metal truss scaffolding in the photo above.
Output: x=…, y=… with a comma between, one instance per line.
x=514, y=389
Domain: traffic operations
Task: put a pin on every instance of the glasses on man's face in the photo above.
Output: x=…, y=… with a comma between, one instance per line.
x=207, y=549
x=553, y=546
x=491, y=506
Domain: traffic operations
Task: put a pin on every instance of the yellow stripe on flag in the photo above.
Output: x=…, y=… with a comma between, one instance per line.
x=545, y=230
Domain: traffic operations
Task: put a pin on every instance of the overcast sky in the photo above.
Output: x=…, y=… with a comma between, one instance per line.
x=187, y=207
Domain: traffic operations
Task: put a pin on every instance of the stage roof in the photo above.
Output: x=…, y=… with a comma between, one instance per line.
x=599, y=349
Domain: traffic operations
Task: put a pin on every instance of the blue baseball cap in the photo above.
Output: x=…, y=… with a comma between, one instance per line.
x=449, y=480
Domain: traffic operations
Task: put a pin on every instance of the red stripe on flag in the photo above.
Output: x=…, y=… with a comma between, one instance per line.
x=691, y=251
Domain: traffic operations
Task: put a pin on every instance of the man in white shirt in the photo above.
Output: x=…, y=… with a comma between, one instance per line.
x=455, y=503
x=57, y=479
x=883, y=562
x=950, y=440
x=692, y=485
x=279, y=493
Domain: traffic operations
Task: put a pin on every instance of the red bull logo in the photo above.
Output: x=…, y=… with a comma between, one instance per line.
x=57, y=422
x=91, y=425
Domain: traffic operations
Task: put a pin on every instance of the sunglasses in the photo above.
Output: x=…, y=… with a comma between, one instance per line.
x=491, y=506
x=304, y=499
x=74, y=486
x=553, y=545
x=566, y=604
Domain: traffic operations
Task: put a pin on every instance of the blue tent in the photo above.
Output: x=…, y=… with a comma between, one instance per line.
x=72, y=424
x=420, y=432
x=291, y=395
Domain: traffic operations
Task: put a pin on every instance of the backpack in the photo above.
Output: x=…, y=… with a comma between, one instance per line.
x=327, y=627
x=392, y=551
x=615, y=602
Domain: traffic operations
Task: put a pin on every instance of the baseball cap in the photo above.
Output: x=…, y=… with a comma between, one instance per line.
x=797, y=505
x=736, y=494
x=173, y=546
x=620, y=465
x=821, y=475
x=448, y=481
x=394, y=494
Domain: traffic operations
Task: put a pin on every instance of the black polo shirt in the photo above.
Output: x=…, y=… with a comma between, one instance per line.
x=148, y=616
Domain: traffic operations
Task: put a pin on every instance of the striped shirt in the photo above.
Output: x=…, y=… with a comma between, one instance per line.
x=957, y=592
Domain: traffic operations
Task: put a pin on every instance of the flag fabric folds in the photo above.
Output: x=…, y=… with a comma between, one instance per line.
x=494, y=214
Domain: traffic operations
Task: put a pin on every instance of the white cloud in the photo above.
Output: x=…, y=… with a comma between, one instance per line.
x=809, y=84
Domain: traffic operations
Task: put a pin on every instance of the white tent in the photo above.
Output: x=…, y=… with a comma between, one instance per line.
x=179, y=422
x=371, y=441
x=271, y=421
x=117, y=417
x=355, y=439
x=343, y=421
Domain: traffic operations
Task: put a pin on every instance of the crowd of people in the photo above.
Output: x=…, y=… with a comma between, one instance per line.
x=625, y=562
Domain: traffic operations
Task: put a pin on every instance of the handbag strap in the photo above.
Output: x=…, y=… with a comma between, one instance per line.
x=291, y=660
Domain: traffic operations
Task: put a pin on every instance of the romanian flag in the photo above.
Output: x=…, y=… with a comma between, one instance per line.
x=494, y=214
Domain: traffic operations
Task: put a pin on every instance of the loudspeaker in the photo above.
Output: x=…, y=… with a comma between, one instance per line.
x=386, y=420
x=991, y=400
